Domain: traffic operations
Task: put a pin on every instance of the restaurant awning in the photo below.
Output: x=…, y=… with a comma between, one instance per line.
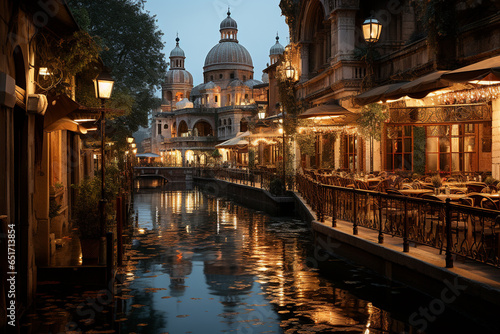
x=488, y=69
x=377, y=94
x=239, y=141
x=65, y=123
x=325, y=111
x=421, y=87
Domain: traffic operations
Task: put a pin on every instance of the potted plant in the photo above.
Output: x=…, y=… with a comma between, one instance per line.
x=437, y=182
x=86, y=218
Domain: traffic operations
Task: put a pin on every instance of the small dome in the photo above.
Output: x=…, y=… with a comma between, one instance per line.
x=228, y=22
x=277, y=49
x=236, y=83
x=210, y=85
x=183, y=104
x=196, y=91
x=177, y=51
x=252, y=82
x=176, y=76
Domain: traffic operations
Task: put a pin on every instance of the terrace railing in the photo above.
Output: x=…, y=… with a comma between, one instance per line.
x=455, y=229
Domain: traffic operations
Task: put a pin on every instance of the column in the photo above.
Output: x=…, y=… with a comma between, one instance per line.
x=346, y=20
x=304, y=56
x=495, y=134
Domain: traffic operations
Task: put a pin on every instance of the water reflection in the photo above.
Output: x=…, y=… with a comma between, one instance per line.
x=205, y=263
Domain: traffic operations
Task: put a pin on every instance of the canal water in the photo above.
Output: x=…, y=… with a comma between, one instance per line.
x=198, y=263
x=203, y=264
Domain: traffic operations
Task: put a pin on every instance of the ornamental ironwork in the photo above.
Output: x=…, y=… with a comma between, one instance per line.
x=441, y=114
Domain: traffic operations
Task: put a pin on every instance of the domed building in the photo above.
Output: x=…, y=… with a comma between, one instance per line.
x=276, y=51
x=222, y=106
x=229, y=59
x=178, y=82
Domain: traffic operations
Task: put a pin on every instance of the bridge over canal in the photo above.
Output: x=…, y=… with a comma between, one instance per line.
x=163, y=174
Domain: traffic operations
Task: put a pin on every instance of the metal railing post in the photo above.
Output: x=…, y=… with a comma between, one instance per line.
x=355, y=209
x=406, y=244
x=449, y=258
x=380, y=228
x=119, y=231
x=334, y=208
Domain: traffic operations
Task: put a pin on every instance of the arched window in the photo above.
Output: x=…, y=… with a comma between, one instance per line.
x=165, y=127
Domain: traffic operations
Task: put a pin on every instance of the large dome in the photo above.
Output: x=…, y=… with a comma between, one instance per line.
x=228, y=53
x=177, y=76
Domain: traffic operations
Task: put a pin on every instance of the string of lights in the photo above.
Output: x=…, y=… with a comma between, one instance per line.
x=475, y=95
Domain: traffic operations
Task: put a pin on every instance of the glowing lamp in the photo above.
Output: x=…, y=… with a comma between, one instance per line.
x=371, y=30
x=103, y=85
x=262, y=114
x=290, y=72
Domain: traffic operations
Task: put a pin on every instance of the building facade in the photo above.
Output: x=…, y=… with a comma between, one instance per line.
x=450, y=134
x=193, y=121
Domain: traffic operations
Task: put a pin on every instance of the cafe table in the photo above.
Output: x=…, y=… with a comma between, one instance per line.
x=452, y=197
x=415, y=192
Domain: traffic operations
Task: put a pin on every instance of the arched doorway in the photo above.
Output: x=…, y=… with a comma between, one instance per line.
x=183, y=129
x=203, y=129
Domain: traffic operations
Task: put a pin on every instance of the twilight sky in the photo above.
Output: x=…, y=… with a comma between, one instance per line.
x=197, y=22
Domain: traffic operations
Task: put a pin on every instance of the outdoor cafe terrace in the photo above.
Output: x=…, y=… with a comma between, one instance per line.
x=459, y=221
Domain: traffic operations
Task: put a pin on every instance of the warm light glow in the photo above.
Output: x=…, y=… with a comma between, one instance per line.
x=130, y=140
x=480, y=94
x=321, y=118
x=91, y=129
x=103, y=85
x=44, y=71
x=290, y=72
x=262, y=114
x=490, y=79
x=126, y=152
x=83, y=120
x=280, y=130
x=371, y=30
x=133, y=145
x=134, y=151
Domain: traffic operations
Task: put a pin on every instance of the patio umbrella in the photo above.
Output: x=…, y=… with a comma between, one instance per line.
x=238, y=141
x=488, y=70
x=329, y=110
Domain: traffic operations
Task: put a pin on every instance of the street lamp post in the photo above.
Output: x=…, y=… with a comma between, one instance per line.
x=372, y=29
x=103, y=85
x=290, y=76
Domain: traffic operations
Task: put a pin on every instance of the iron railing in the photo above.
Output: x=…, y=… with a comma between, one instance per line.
x=259, y=179
x=467, y=231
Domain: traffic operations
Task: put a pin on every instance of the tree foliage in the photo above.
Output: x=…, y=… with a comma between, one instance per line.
x=371, y=119
x=132, y=48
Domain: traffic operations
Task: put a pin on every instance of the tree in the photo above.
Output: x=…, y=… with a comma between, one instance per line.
x=132, y=48
x=370, y=124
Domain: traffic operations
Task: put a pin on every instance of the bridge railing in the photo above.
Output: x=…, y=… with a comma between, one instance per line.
x=257, y=178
